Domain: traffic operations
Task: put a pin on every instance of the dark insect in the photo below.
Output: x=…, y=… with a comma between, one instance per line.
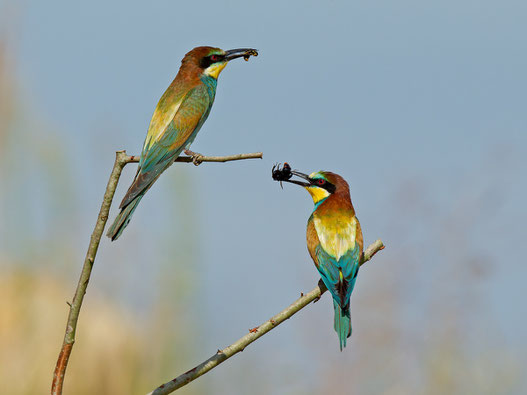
x=249, y=53
x=282, y=174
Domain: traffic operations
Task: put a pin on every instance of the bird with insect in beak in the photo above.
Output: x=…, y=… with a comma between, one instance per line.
x=177, y=119
x=334, y=238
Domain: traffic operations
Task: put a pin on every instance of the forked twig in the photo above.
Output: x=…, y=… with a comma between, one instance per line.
x=121, y=160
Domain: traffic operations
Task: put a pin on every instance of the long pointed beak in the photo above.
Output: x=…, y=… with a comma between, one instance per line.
x=246, y=53
x=301, y=175
x=285, y=174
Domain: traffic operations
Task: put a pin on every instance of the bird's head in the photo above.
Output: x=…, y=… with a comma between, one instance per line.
x=211, y=61
x=320, y=184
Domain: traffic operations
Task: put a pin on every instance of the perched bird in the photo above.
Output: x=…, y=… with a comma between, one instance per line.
x=178, y=117
x=334, y=238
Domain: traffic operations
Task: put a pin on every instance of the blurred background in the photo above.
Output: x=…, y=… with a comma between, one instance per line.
x=421, y=106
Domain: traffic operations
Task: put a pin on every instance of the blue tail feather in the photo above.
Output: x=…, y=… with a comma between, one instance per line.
x=123, y=218
x=342, y=323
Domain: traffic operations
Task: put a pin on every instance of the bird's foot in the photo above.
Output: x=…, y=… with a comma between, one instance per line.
x=197, y=158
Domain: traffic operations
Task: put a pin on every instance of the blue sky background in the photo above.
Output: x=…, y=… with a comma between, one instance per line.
x=421, y=106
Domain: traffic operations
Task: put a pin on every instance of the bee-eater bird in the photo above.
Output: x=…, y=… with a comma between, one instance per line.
x=334, y=238
x=177, y=119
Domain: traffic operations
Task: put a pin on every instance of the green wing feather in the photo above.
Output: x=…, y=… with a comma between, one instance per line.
x=159, y=154
x=339, y=278
x=330, y=269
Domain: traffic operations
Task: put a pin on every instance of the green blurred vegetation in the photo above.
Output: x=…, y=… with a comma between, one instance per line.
x=119, y=349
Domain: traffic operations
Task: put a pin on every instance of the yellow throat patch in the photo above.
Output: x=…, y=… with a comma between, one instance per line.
x=317, y=193
x=215, y=69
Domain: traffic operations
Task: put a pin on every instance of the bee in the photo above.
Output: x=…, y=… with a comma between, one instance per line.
x=282, y=174
x=249, y=53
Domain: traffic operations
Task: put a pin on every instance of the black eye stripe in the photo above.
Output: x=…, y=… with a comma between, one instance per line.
x=321, y=183
x=211, y=59
x=330, y=187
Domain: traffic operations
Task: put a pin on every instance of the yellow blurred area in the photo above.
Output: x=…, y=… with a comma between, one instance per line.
x=112, y=355
x=109, y=356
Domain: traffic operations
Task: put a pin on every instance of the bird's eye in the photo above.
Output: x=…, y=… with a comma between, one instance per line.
x=214, y=58
x=321, y=181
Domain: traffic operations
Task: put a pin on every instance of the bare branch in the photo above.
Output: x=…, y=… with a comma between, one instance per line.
x=121, y=161
x=228, y=158
x=255, y=333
